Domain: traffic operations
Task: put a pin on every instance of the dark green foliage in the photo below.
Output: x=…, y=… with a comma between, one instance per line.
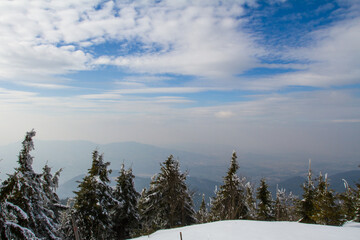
x=168, y=202
x=125, y=214
x=307, y=204
x=265, y=209
x=250, y=201
x=202, y=214
x=327, y=211
x=357, y=204
x=229, y=202
x=347, y=203
x=93, y=201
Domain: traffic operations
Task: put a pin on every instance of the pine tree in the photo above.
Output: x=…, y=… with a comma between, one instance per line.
x=265, y=206
x=50, y=183
x=250, y=201
x=307, y=204
x=347, y=203
x=125, y=216
x=285, y=206
x=9, y=217
x=229, y=202
x=27, y=204
x=94, y=201
x=327, y=211
x=68, y=224
x=281, y=213
x=357, y=204
x=202, y=214
x=168, y=202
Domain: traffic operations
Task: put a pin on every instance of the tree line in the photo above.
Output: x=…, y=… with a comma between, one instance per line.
x=31, y=209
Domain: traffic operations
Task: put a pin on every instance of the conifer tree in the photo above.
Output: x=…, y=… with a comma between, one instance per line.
x=250, y=201
x=357, y=204
x=285, y=206
x=10, y=215
x=94, y=201
x=265, y=209
x=281, y=213
x=347, y=203
x=202, y=214
x=229, y=202
x=125, y=216
x=50, y=183
x=168, y=202
x=307, y=204
x=327, y=211
x=28, y=206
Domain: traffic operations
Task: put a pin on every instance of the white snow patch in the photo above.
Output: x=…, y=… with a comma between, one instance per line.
x=352, y=224
x=256, y=230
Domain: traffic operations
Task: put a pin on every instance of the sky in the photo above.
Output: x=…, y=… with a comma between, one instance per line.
x=262, y=76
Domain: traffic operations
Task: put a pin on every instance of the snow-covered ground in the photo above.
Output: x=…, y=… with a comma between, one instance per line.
x=258, y=230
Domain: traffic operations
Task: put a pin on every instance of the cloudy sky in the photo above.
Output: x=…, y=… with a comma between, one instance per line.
x=272, y=75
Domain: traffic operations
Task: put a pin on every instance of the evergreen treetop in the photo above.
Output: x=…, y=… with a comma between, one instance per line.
x=265, y=205
x=168, y=202
x=229, y=202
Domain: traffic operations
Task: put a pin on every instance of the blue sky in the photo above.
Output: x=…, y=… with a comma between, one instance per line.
x=169, y=72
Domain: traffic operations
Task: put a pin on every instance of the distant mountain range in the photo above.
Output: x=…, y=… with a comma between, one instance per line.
x=336, y=182
x=200, y=186
x=205, y=170
x=197, y=186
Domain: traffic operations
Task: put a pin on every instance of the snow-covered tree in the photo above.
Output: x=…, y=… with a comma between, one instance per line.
x=250, y=201
x=285, y=206
x=347, y=203
x=307, y=204
x=202, y=214
x=29, y=209
x=50, y=183
x=125, y=215
x=327, y=211
x=229, y=202
x=265, y=209
x=168, y=202
x=94, y=201
x=68, y=225
x=357, y=204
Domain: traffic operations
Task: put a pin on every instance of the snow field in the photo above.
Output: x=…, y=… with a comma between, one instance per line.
x=258, y=230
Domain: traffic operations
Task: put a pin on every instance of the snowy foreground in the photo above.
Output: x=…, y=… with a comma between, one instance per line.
x=258, y=230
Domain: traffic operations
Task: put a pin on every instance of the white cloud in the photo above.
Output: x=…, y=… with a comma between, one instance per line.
x=224, y=114
x=196, y=38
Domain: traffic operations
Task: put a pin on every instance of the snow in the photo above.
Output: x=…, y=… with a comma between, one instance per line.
x=257, y=230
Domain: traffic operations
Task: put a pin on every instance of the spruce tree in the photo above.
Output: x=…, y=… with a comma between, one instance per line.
x=281, y=213
x=168, y=202
x=250, y=201
x=285, y=206
x=347, y=203
x=10, y=215
x=265, y=209
x=202, y=214
x=94, y=201
x=50, y=183
x=307, y=204
x=125, y=215
x=357, y=204
x=229, y=202
x=327, y=211
x=28, y=206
